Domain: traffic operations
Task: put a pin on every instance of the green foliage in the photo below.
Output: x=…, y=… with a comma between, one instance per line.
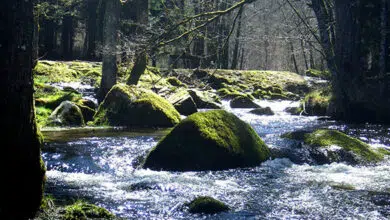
x=81, y=211
x=207, y=205
x=211, y=140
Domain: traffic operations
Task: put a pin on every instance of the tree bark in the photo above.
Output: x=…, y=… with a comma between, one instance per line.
x=110, y=40
x=92, y=30
x=21, y=167
x=234, y=64
x=293, y=59
x=67, y=37
x=139, y=68
x=383, y=48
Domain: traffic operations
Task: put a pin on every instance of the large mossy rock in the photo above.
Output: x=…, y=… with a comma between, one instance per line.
x=67, y=114
x=204, y=99
x=243, y=102
x=207, y=205
x=327, y=146
x=212, y=140
x=135, y=107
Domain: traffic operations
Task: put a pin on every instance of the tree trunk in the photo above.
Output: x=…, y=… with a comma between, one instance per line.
x=67, y=37
x=110, y=39
x=293, y=59
x=91, y=32
x=383, y=48
x=139, y=68
x=101, y=10
x=35, y=50
x=237, y=41
x=242, y=59
x=21, y=167
x=49, y=40
x=304, y=54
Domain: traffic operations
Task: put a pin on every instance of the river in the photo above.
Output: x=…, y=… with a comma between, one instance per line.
x=104, y=169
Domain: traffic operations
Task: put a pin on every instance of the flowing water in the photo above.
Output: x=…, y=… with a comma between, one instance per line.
x=104, y=170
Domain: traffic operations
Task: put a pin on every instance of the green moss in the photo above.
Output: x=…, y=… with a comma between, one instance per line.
x=42, y=116
x=56, y=71
x=82, y=210
x=317, y=102
x=228, y=93
x=52, y=101
x=175, y=82
x=207, y=205
x=211, y=140
x=243, y=102
x=325, y=138
x=325, y=74
x=67, y=114
x=47, y=203
x=132, y=106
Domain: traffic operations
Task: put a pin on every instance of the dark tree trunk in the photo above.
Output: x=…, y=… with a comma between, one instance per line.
x=35, y=50
x=49, y=40
x=110, y=40
x=21, y=167
x=293, y=59
x=324, y=14
x=92, y=30
x=234, y=64
x=242, y=59
x=67, y=37
x=139, y=68
x=101, y=9
x=304, y=54
x=383, y=48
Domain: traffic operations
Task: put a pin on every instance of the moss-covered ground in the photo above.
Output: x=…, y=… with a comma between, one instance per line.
x=220, y=84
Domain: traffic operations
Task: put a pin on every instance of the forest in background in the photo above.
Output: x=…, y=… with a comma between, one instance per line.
x=350, y=39
x=265, y=35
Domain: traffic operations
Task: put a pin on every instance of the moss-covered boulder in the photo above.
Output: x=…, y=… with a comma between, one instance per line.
x=293, y=110
x=228, y=93
x=327, y=146
x=87, y=112
x=243, y=102
x=83, y=211
x=317, y=103
x=182, y=101
x=53, y=100
x=262, y=111
x=207, y=205
x=175, y=82
x=323, y=74
x=135, y=107
x=212, y=140
x=67, y=114
x=89, y=103
x=204, y=99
